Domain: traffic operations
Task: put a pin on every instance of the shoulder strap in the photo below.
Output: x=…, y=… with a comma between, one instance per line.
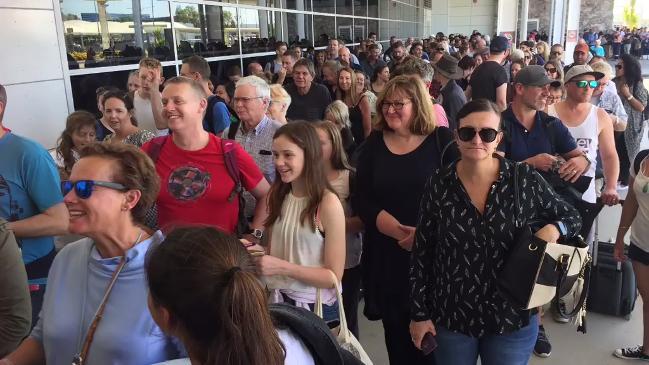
x=312, y=330
x=517, y=199
x=549, y=123
x=441, y=146
x=230, y=158
x=232, y=131
x=209, y=112
x=507, y=136
x=156, y=147
x=637, y=162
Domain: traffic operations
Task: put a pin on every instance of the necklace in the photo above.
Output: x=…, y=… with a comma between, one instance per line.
x=80, y=358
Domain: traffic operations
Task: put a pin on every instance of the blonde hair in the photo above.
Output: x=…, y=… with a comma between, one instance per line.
x=278, y=93
x=339, y=159
x=516, y=55
x=424, y=120
x=340, y=112
x=604, y=68
x=546, y=50
x=149, y=62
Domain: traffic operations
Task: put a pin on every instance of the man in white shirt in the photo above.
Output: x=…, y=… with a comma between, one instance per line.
x=148, y=100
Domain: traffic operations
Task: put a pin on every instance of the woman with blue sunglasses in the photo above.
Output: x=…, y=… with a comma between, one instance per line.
x=95, y=307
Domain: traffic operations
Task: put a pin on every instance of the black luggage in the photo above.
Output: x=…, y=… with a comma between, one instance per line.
x=612, y=284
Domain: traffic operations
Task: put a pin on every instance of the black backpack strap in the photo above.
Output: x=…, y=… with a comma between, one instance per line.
x=312, y=330
x=156, y=147
x=549, y=123
x=638, y=160
x=232, y=131
x=445, y=140
x=209, y=113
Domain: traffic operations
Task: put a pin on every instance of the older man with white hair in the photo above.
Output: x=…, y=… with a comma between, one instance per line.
x=605, y=96
x=255, y=131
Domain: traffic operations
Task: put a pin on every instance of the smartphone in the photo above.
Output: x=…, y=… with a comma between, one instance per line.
x=428, y=343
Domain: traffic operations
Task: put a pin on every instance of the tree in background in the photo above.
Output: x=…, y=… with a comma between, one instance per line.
x=187, y=15
x=631, y=15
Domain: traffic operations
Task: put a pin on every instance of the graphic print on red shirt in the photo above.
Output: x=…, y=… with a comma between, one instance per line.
x=195, y=185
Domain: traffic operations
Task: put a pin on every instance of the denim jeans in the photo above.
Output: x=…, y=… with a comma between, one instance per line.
x=513, y=348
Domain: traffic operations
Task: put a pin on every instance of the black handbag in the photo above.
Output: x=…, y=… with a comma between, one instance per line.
x=536, y=272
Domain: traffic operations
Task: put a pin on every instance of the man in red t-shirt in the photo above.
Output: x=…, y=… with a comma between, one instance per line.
x=194, y=181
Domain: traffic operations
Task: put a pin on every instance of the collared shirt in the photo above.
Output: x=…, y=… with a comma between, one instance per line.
x=258, y=143
x=523, y=143
x=458, y=252
x=610, y=101
x=453, y=99
x=368, y=68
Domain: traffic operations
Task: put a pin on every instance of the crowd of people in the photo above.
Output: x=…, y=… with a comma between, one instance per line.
x=201, y=204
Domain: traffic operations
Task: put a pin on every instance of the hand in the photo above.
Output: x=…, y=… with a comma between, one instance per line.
x=268, y=265
x=549, y=233
x=618, y=252
x=543, y=161
x=407, y=241
x=573, y=168
x=282, y=72
x=624, y=90
x=248, y=237
x=253, y=248
x=419, y=329
x=609, y=196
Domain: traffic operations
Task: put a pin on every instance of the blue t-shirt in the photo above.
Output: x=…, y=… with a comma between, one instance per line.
x=521, y=144
x=219, y=120
x=29, y=185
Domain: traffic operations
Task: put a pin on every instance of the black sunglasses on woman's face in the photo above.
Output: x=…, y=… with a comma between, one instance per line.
x=487, y=135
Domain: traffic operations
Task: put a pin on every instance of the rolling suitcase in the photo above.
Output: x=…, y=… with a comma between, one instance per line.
x=612, y=284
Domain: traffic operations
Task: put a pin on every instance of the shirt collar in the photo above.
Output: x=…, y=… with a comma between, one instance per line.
x=449, y=174
x=260, y=127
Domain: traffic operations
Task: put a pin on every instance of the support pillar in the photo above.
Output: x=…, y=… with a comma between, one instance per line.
x=572, y=33
x=507, y=19
x=525, y=5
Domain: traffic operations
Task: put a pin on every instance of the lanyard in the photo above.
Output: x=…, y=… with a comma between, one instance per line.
x=80, y=358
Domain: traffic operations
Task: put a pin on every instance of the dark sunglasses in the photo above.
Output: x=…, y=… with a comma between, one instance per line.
x=619, y=67
x=487, y=135
x=84, y=188
x=585, y=83
x=551, y=70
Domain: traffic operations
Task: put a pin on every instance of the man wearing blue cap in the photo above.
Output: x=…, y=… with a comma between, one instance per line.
x=489, y=80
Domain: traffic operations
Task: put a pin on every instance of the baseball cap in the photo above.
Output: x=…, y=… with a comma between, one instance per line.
x=582, y=47
x=534, y=75
x=578, y=70
x=499, y=44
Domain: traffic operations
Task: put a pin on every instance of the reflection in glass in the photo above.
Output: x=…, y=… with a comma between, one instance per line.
x=373, y=26
x=345, y=29
x=206, y=30
x=324, y=6
x=324, y=27
x=360, y=29
x=360, y=7
x=297, y=29
x=373, y=9
x=296, y=4
x=344, y=7
x=258, y=30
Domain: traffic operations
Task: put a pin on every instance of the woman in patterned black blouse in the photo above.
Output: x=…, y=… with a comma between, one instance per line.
x=465, y=232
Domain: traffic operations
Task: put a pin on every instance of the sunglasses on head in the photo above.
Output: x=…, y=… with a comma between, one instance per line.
x=487, y=135
x=582, y=84
x=84, y=188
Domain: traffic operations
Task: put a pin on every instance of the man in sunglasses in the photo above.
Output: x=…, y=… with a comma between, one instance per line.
x=32, y=203
x=591, y=127
x=541, y=140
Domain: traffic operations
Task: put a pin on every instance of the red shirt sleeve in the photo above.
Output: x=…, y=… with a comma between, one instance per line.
x=250, y=173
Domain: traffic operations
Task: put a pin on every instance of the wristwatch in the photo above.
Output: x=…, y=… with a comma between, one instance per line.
x=630, y=97
x=257, y=233
x=587, y=159
x=563, y=231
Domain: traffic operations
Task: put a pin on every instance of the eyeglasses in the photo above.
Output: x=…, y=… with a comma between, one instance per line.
x=245, y=99
x=487, y=135
x=557, y=53
x=619, y=67
x=84, y=188
x=582, y=84
x=551, y=70
x=397, y=105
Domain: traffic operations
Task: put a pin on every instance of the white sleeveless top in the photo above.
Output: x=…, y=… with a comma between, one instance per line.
x=586, y=135
x=297, y=243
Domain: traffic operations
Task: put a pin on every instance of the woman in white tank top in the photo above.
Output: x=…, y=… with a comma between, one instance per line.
x=339, y=173
x=305, y=226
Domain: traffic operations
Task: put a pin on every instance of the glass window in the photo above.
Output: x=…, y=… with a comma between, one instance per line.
x=324, y=6
x=266, y=3
x=298, y=29
x=206, y=30
x=345, y=29
x=344, y=7
x=225, y=71
x=360, y=29
x=96, y=35
x=373, y=8
x=385, y=30
x=258, y=30
x=324, y=29
x=297, y=4
x=373, y=26
x=360, y=7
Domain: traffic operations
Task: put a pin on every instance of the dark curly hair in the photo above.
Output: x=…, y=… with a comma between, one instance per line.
x=134, y=170
x=632, y=70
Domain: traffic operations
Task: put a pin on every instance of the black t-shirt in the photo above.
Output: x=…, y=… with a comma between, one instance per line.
x=486, y=79
x=309, y=107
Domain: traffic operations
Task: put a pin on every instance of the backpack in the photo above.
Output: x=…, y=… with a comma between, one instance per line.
x=638, y=160
x=231, y=166
x=315, y=334
x=208, y=122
